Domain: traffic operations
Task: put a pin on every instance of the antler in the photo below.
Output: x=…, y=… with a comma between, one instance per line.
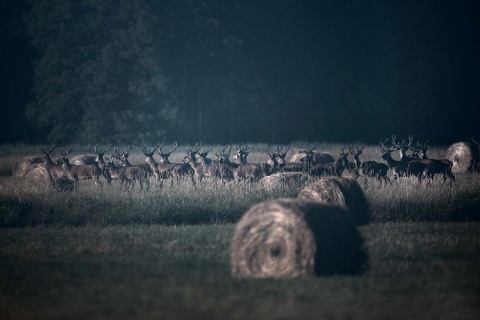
x=167, y=154
x=126, y=151
x=385, y=149
x=67, y=151
x=342, y=152
x=204, y=152
x=49, y=149
x=224, y=153
x=147, y=152
x=355, y=152
x=116, y=153
x=101, y=152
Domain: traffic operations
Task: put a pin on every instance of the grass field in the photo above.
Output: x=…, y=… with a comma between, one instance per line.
x=106, y=254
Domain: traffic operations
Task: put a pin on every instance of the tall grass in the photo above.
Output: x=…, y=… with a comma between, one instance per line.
x=24, y=204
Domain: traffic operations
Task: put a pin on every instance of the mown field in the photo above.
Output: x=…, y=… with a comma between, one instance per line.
x=102, y=253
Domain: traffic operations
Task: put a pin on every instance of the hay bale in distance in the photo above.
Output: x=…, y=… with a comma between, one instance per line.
x=464, y=155
x=297, y=155
x=344, y=192
x=39, y=178
x=285, y=238
x=22, y=167
x=280, y=179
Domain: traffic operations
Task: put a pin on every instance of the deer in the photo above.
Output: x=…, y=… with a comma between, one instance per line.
x=191, y=159
x=245, y=171
x=111, y=167
x=176, y=170
x=100, y=161
x=204, y=166
x=302, y=166
x=335, y=168
x=272, y=165
x=369, y=168
x=403, y=146
x=129, y=173
x=399, y=168
x=417, y=167
x=212, y=169
x=79, y=172
x=159, y=176
x=440, y=166
x=53, y=170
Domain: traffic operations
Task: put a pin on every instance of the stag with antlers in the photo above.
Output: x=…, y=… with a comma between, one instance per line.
x=241, y=171
x=128, y=173
x=174, y=170
x=273, y=165
x=335, y=168
x=416, y=167
x=54, y=174
x=440, y=166
x=369, y=168
x=206, y=167
x=100, y=161
x=399, y=168
x=79, y=172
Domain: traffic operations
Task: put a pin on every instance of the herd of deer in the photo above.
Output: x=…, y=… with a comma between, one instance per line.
x=196, y=164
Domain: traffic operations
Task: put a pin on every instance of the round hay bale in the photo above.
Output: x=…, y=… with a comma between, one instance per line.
x=39, y=178
x=464, y=155
x=22, y=167
x=281, y=179
x=298, y=155
x=84, y=159
x=296, y=237
x=343, y=192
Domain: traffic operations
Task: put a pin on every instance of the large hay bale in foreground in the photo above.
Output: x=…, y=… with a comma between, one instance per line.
x=298, y=155
x=296, y=237
x=343, y=192
x=22, y=167
x=465, y=157
x=277, y=180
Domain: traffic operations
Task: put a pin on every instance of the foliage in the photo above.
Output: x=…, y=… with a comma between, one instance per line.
x=98, y=75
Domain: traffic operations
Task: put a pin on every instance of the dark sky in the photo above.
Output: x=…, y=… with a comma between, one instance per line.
x=388, y=67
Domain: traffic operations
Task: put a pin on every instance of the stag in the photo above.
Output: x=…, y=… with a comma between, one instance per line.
x=159, y=176
x=54, y=173
x=302, y=166
x=100, y=161
x=403, y=146
x=79, y=172
x=335, y=168
x=176, y=170
x=241, y=171
x=206, y=167
x=417, y=167
x=129, y=173
x=399, y=168
x=440, y=166
x=54, y=170
x=272, y=165
x=211, y=168
x=369, y=168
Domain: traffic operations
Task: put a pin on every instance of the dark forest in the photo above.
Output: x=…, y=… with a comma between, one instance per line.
x=216, y=71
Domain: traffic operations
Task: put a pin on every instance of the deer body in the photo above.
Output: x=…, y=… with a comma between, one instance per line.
x=129, y=174
x=241, y=171
x=439, y=166
x=369, y=168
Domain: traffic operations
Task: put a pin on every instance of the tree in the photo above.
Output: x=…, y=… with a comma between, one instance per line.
x=98, y=76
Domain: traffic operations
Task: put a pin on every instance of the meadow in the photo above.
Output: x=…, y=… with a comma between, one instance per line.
x=106, y=253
